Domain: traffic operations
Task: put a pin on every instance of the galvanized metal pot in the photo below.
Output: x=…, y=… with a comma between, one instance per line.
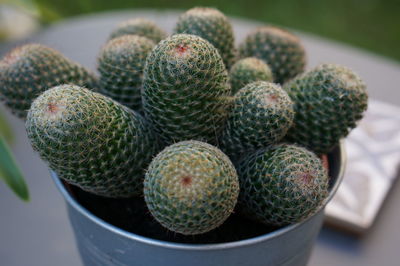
x=100, y=243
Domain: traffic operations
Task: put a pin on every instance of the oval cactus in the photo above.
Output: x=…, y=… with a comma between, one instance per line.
x=213, y=26
x=281, y=184
x=248, y=70
x=121, y=64
x=261, y=114
x=30, y=69
x=191, y=187
x=328, y=101
x=91, y=141
x=185, y=89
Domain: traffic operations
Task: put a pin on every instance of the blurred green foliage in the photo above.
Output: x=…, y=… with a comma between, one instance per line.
x=370, y=24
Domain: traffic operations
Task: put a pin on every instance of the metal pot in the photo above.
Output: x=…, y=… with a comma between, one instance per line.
x=101, y=243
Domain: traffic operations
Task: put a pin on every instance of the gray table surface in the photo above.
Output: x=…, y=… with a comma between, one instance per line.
x=39, y=233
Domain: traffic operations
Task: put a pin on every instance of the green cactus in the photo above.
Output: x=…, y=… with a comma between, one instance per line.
x=141, y=27
x=91, y=141
x=261, y=114
x=280, y=49
x=185, y=89
x=328, y=101
x=28, y=70
x=281, y=185
x=120, y=64
x=213, y=26
x=248, y=70
x=191, y=187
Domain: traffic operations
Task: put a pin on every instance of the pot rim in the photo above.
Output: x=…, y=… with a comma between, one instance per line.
x=183, y=246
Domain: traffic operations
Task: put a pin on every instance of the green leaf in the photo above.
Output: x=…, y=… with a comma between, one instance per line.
x=10, y=172
x=5, y=129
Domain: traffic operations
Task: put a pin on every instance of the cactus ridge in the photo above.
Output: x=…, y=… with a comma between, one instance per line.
x=185, y=90
x=139, y=26
x=212, y=25
x=191, y=187
x=248, y=70
x=261, y=114
x=281, y=184
x=29, y=70
x=280, y=49
x=328, y=101
x=121, y=64
x=91, y=141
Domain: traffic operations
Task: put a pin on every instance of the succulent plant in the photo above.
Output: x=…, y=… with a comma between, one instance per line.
x=91, y=141
x=121, y=64
x=212, y=25
x=28, y=70
x=261, y=114
x=280, y=49
x=141, y=27
x=191, y=187
x=248, y=70
x=328, y=101
x=281, y=184
x=185, y=89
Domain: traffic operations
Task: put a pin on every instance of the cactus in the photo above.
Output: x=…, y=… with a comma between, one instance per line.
x=328, y=101
x=281, y=185
x=141, y=27
x=261, y=114
x=212, y=25
x=280, y=49
x=91, y=141
x=191, y=187
x=28, y=70
x=248, y=70
x=121, y=63
x=185, y=89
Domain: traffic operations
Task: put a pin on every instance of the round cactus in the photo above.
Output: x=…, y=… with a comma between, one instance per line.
x=91, y=141
x=185, y=89
x=191, y=187
x=29, y=70
x=212, y=25
x=281, y=185
x=141, y=27
x=328, y=102
x=120, y=64
x=248, y=70
x=261, y=114
x=280, y=49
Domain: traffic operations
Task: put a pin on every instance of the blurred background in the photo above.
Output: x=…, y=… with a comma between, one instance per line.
x=369, y=24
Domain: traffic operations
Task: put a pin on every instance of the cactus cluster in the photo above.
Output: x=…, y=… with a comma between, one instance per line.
x=246, y=140
x=29, y=70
